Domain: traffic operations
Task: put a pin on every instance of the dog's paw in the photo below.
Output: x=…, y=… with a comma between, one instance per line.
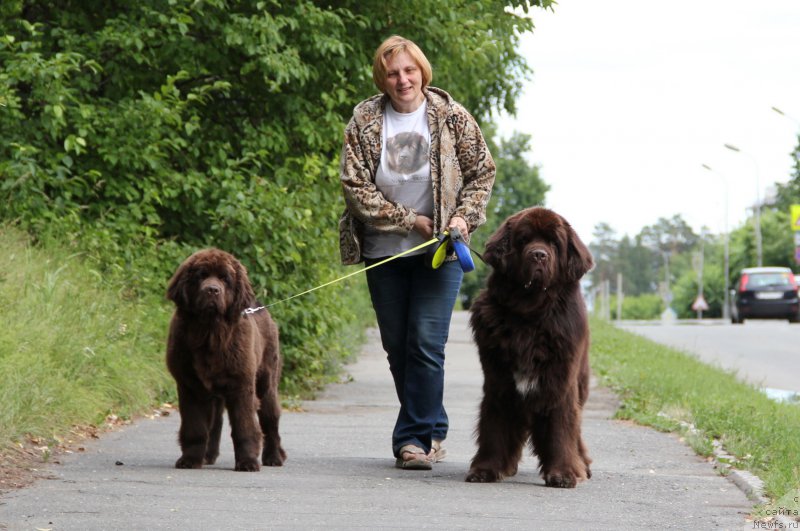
x=481, y=475
x=210, y=459
x=511, y=471
x=561, y=481
x=247, y=465
x=274, y=458
x=185, y=462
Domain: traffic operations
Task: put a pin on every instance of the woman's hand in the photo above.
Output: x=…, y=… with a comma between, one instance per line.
x=424, y=226
x=457, y=222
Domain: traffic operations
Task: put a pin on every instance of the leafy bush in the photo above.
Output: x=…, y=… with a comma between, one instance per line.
x=648, y=306
x=140, y=132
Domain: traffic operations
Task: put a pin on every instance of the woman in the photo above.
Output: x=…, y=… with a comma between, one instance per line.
x=414, y=164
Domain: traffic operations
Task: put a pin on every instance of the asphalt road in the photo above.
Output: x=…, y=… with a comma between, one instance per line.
x=764, y=353
x=340, y=473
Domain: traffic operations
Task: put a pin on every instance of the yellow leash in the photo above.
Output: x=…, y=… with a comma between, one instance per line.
x=417, y=248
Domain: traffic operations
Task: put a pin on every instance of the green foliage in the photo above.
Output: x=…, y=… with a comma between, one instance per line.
x=471, y=44
x=654, y=258
x=636, y=263
x=74, y=347
x=685, y=292
x=777, y=238
x=668, y=389
x=645, y=306
x=710, y=271
x=777, y=242
x=604, y=248
x=673, y=236
x=517, y=186
x=139, y=132
x=789, y=193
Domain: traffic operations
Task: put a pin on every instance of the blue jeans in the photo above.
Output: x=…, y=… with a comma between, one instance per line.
x=413, y=305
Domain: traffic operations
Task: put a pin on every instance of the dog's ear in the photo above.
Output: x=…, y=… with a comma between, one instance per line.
x=178, y=286
x=579, y=258
x=243, y=295
x=498, y=247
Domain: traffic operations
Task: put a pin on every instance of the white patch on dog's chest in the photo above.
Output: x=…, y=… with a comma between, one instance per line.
x=526, y=384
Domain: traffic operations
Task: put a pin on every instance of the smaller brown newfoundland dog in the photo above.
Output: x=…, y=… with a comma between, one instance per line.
x=532, y=334
x=223, y=357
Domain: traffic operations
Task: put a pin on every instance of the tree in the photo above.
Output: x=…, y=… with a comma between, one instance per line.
x=710, y=269
x=634, y=261
x=778, y=244
x=145, y=130
x=605, y=251
x=629, y=257
x=517, y=186
x=649, y=263
x=673, y=236
x=789, y=193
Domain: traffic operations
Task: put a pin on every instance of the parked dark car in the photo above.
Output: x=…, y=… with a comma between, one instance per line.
x=765, y=293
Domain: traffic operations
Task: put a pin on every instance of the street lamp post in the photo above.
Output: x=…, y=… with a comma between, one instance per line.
x=788, y=117
x=726, y=310
x=757, y=208
x=777, y=110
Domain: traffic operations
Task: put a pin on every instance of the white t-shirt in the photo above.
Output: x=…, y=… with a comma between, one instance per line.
x=404, y=176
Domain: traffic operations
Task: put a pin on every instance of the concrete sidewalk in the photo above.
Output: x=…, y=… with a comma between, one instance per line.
x=340, y=473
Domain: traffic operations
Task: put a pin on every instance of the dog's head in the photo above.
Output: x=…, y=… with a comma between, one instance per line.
x=211, y=283
x=406, y=152
x=537, y=248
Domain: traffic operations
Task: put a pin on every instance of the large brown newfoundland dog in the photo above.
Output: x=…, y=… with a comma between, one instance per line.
x=223, y=354
x=533, y=339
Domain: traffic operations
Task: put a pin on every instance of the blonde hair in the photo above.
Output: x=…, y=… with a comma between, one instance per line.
x=389, y=49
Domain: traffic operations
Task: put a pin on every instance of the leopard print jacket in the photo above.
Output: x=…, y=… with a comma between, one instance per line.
x=462, y=172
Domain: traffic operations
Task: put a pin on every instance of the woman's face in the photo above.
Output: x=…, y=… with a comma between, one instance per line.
x=404, y=83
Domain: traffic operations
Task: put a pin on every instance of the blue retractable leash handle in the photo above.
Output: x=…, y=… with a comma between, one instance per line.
x=445, y=245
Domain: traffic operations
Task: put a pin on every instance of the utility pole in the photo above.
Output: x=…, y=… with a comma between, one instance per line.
x=726, y=302
x=700, y=274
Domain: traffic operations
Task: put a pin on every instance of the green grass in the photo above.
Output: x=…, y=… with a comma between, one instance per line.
x=667, y=389
x=77, y=346
x=73, y=348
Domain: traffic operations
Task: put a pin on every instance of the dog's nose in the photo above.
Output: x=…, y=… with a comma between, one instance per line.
x=212, y=290
x=538, y=255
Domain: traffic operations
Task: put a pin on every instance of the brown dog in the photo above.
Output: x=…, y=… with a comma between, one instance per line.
x=532, y=333
x=223, y=357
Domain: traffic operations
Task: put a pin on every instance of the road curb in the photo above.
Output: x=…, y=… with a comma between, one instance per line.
x=750, y=484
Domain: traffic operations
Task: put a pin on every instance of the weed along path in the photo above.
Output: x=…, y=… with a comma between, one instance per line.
x=340, y=473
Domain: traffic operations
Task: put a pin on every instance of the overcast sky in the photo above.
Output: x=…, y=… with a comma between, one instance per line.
x=630, y=97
